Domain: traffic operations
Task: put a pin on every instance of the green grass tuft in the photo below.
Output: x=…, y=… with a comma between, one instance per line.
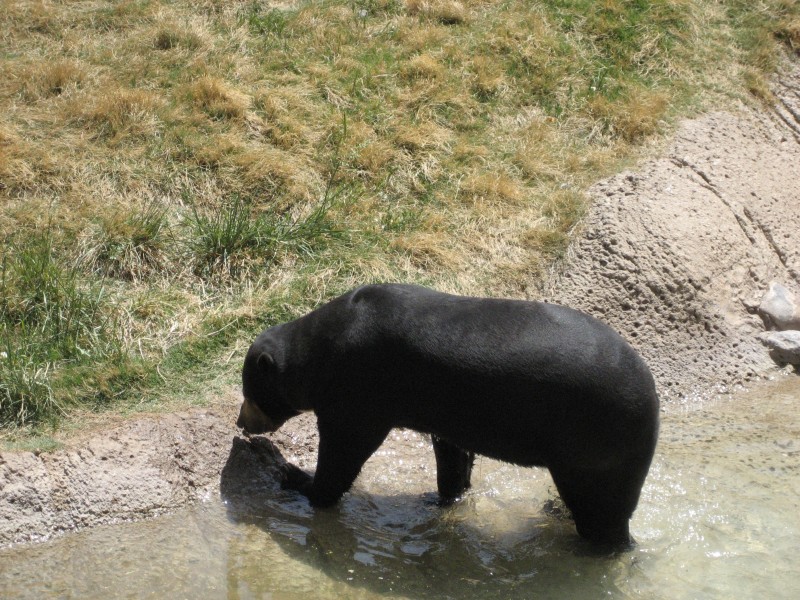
x=50, y=320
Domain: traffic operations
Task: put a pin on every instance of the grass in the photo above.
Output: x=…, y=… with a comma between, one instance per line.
x=176, y=175
x=127, y=244
x=48, y=318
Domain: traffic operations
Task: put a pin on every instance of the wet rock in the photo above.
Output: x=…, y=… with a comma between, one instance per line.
x=784, y=346
x=779, y=310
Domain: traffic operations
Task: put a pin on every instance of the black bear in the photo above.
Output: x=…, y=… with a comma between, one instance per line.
x=529, y=383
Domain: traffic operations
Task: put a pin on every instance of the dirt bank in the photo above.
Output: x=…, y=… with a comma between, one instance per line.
x=677, y=254
x=674, y=255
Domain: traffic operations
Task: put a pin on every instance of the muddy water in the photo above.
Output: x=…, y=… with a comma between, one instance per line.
x=719, y=518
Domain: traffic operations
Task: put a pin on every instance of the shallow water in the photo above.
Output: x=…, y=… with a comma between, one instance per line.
x=718, y=518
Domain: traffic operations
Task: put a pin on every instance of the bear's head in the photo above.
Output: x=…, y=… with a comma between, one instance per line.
x=265, y=407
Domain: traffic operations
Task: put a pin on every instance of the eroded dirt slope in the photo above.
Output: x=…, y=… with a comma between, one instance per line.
x=677, y=254
x=136, y=470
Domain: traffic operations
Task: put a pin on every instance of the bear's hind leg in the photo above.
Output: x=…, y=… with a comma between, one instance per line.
x=453, y=469
x=601, y=503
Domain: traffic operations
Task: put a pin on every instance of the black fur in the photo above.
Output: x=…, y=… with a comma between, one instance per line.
x=529, y=383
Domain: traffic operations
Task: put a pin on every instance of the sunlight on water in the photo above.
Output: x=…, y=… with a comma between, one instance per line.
x=719, y=518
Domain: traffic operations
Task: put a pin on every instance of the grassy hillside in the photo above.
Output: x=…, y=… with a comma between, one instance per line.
x=175, y=175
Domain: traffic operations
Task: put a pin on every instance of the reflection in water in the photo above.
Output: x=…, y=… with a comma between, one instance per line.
x=718, y=518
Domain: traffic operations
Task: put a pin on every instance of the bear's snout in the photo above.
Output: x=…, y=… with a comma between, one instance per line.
x=253, y=420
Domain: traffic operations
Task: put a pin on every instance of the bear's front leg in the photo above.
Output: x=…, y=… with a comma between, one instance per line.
x=343, y=450
x=453, y=470
x=294, y=478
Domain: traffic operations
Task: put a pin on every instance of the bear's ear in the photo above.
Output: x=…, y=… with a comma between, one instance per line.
x=266, y=363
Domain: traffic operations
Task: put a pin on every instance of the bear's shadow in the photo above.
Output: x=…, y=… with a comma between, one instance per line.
x=405, y=544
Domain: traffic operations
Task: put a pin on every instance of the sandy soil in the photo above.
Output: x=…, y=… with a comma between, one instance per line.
x=675, y=255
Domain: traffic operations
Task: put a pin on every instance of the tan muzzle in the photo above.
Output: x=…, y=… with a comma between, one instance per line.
x=253, y=420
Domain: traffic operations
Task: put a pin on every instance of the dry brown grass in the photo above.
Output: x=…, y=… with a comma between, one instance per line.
x=488, y=188
x=426, y=135
x=540, y=152
x=24, y=167
x=374, y=157
x=456, y=103
x=269, y=172
x=217, y=98
x=120, y=114
x=46, y=79
x=490, y=79
x=419, y=36
x=16, y=172
x=429, y=251
x=790, y=31
x=632, y=117
x=174, y=36
x=127, y=243
x=447, y=12
x=422, y=66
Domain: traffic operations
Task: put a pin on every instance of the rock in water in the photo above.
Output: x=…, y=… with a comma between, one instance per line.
x=779, y=310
